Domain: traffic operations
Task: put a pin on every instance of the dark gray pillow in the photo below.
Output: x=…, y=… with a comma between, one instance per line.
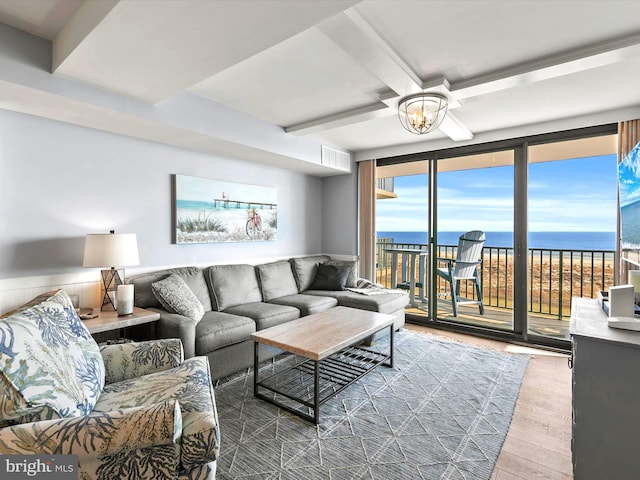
x=352, y=278
x=304, y=269
x=176, y=297
x=330, y=277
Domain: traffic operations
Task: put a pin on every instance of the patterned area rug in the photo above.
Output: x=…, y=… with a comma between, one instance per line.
x=442, y=412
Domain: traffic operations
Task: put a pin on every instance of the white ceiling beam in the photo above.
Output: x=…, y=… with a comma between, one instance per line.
x=358, y=38
x=553, y=67
x=349, y=117
x=454, y=129
x=438, y=85
x=88, y=17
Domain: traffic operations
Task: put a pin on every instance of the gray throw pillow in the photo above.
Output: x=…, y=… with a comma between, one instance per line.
x=352, y=278
x=330, y=277
x=176, y=297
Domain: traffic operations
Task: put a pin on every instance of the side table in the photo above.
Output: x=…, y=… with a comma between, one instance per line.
x=107, y=321
x=408, y=263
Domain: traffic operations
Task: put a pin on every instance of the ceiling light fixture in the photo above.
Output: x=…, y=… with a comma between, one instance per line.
x=422, y=112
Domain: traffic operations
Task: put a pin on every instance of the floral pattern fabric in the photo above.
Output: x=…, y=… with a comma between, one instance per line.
x=157, y=419
x=50, y=366
x=135, y=443
x=129, y=360
x=190, y=385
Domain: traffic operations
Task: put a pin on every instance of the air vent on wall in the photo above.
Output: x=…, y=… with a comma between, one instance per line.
x=336, y=159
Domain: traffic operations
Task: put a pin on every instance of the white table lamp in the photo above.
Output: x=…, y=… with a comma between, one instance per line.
x=113, y=250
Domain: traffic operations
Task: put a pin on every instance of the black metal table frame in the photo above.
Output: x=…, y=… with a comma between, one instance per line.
x=340, y=370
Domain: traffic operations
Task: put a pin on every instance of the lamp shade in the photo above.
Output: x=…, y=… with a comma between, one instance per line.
x=110, y=250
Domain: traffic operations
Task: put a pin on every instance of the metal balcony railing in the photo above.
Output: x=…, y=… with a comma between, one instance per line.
x=555, y=276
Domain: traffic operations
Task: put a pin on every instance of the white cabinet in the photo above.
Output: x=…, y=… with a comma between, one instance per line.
x=606, y=396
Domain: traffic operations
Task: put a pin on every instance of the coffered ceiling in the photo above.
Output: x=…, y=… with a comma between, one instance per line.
x=334, y=70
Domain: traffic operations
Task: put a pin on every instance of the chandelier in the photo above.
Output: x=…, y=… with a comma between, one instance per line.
x=423, y=112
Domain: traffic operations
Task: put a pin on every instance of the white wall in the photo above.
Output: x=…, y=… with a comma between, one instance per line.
x=59, y=182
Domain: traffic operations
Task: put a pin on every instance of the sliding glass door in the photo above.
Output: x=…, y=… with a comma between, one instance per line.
x=545, y=208
x=420, y=217
x=572, y=192
x=474, y=218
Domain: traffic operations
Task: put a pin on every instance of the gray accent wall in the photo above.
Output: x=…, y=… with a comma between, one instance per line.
x=340, y=213
x=59, y=182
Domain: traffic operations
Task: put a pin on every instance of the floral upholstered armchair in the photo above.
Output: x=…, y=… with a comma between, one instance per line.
x=129, y=411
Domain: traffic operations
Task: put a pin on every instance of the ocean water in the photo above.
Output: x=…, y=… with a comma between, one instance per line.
x=546, y=240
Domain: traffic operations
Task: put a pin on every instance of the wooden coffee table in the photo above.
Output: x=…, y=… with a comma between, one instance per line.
x=331, y=358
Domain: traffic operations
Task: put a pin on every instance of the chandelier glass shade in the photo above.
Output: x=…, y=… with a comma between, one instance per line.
x=423, y=112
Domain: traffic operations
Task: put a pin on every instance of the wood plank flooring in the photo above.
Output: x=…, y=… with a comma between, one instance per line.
x=538, y=444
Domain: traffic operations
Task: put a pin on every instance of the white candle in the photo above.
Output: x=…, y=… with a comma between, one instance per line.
x=634, y=279
x=125, y=299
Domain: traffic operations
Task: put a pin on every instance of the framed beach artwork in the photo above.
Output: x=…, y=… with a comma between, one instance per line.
x=629, y=185
x=208, y=211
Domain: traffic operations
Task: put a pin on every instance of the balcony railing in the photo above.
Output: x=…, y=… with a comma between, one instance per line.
x=554, y=275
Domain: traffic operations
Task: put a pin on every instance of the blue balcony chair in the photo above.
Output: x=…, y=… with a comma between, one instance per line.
x=464, y=268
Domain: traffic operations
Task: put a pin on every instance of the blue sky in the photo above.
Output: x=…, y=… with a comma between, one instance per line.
x=567, y=195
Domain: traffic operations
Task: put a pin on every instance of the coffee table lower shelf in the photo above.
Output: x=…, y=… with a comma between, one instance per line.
x=310, y=383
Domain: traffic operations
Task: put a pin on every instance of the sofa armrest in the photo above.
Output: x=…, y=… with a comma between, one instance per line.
x=174, y=325
x=130, y=360
x=106, y=442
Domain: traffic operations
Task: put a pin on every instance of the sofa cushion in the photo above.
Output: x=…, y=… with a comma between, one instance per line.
x=50, y=366
x=219, y=329
x=383, y=303
x=307, y=304
x=276, y=280
x=192, y=276
x=176, y=297
x=352, y=265
x=233, y=285
x=266, y=315
x=304, y=269
x=330, y=277
x=190, y=384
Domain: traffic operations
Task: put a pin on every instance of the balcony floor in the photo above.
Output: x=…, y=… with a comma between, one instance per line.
x=498, y=318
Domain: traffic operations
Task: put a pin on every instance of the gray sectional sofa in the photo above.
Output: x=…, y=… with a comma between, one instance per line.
x=237, y=300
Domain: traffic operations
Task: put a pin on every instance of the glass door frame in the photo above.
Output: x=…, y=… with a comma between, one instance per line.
x=520, y=147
